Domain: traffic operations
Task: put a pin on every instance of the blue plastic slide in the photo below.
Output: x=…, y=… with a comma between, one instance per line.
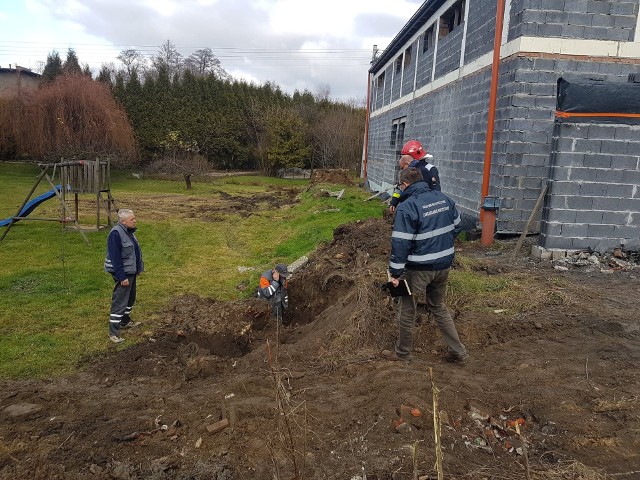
x=31, y=205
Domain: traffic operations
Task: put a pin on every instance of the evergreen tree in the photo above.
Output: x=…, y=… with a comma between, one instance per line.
x=105, y=74
x=53, y=68
x=71, y=65
x=86, y=70
x=287, y=146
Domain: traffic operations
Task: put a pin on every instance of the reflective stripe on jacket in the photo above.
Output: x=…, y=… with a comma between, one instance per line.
x=424, y=229
x=268, y=286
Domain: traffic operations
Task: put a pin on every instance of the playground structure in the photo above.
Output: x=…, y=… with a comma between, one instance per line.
x=74, y=177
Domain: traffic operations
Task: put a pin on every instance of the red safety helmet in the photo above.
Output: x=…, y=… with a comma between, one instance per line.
x=413, y=148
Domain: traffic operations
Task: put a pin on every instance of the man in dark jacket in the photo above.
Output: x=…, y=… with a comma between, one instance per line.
x=415, y=156
x=422, y=251
x=273, y=286
x=124, y=263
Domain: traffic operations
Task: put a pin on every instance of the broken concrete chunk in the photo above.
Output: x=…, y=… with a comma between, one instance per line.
x=218, y=426
x=22, y=410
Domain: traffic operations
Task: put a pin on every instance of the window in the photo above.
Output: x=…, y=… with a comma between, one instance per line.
x=451, y=19
x=428, y=39
x=407, y=57
x=400, y=139
x=380, y=81
x=397, y=134
x=399, y=64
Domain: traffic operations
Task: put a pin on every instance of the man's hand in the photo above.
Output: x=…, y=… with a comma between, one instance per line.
x=125, y=282
x=395, y=282
x=392, y=209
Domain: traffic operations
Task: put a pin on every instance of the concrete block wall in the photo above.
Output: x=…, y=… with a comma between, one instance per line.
x=480, y=29
x=397, y=80
x=588, y=19
x=524, y=130
x=451, y=120
x=594, y=196
x=449, y=51
x=388, y=84
x=409, y=72
x=425, y=66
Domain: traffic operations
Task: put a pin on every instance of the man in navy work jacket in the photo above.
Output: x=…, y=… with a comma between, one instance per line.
x=422, y=251
x=124, y=263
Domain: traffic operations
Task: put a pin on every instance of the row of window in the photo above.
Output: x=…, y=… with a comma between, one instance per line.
x=449, y=20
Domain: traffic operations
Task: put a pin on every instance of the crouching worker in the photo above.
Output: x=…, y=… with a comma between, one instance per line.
x=273, y=287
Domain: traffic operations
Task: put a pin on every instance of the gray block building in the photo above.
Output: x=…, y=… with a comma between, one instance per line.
x=432, y=83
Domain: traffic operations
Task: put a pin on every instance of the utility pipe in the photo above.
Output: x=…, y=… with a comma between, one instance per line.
x=495, y=69
x=366, y=130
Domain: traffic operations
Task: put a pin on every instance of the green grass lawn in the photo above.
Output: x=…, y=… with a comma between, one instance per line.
x=55, y=295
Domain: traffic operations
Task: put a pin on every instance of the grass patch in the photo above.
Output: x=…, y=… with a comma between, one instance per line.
x=56, y=306
x=471, y=288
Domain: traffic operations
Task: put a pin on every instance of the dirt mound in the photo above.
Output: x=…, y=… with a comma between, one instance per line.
x=219, y=390
x=340, y=176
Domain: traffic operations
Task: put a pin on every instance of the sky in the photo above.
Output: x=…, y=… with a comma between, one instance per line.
x=298, y=44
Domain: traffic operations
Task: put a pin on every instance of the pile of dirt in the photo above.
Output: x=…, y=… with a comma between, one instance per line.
x=219, y=390
x=340, y=176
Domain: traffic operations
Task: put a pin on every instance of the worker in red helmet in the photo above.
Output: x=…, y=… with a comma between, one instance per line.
x=415, y=156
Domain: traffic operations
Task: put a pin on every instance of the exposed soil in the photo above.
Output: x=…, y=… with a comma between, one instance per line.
x=209, y=208
x=559, y=357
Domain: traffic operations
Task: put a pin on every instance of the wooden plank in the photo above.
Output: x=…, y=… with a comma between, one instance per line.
x=536, y=207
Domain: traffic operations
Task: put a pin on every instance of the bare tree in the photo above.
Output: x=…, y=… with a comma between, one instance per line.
x=323, y=92
x=203, y=62
x=338, y=137
x=169, y=58
x=132, y=60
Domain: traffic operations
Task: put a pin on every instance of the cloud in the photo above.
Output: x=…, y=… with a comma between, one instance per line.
x=297, y=44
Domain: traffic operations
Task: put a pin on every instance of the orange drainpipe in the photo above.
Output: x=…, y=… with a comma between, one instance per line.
x=366, y=131
x=488, y=148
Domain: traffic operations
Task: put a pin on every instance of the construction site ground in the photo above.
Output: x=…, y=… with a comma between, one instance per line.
x=219, y=390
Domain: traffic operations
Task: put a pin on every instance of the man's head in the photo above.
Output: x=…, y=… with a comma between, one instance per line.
x=405, y=161
x=413, y=148
x=409, y=176
x=127, y=218
x=283, y=270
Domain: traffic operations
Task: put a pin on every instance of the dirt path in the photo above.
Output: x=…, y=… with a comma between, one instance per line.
x=321, y=404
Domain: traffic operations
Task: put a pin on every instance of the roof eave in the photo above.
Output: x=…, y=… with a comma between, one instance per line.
x=426, y=10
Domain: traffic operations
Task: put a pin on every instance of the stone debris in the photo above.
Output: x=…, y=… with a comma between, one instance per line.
x=617, y=260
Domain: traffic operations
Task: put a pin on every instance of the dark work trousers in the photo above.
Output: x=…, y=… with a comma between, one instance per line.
x=122, y=302
x=435, y=283
x=279, y=303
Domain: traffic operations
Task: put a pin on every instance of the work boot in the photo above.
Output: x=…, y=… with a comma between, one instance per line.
x=453, y=357
x=131, y=324
x=394, y=357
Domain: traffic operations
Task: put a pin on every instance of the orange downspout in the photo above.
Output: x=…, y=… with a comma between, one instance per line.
x=488, y=148
x=366, y=131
